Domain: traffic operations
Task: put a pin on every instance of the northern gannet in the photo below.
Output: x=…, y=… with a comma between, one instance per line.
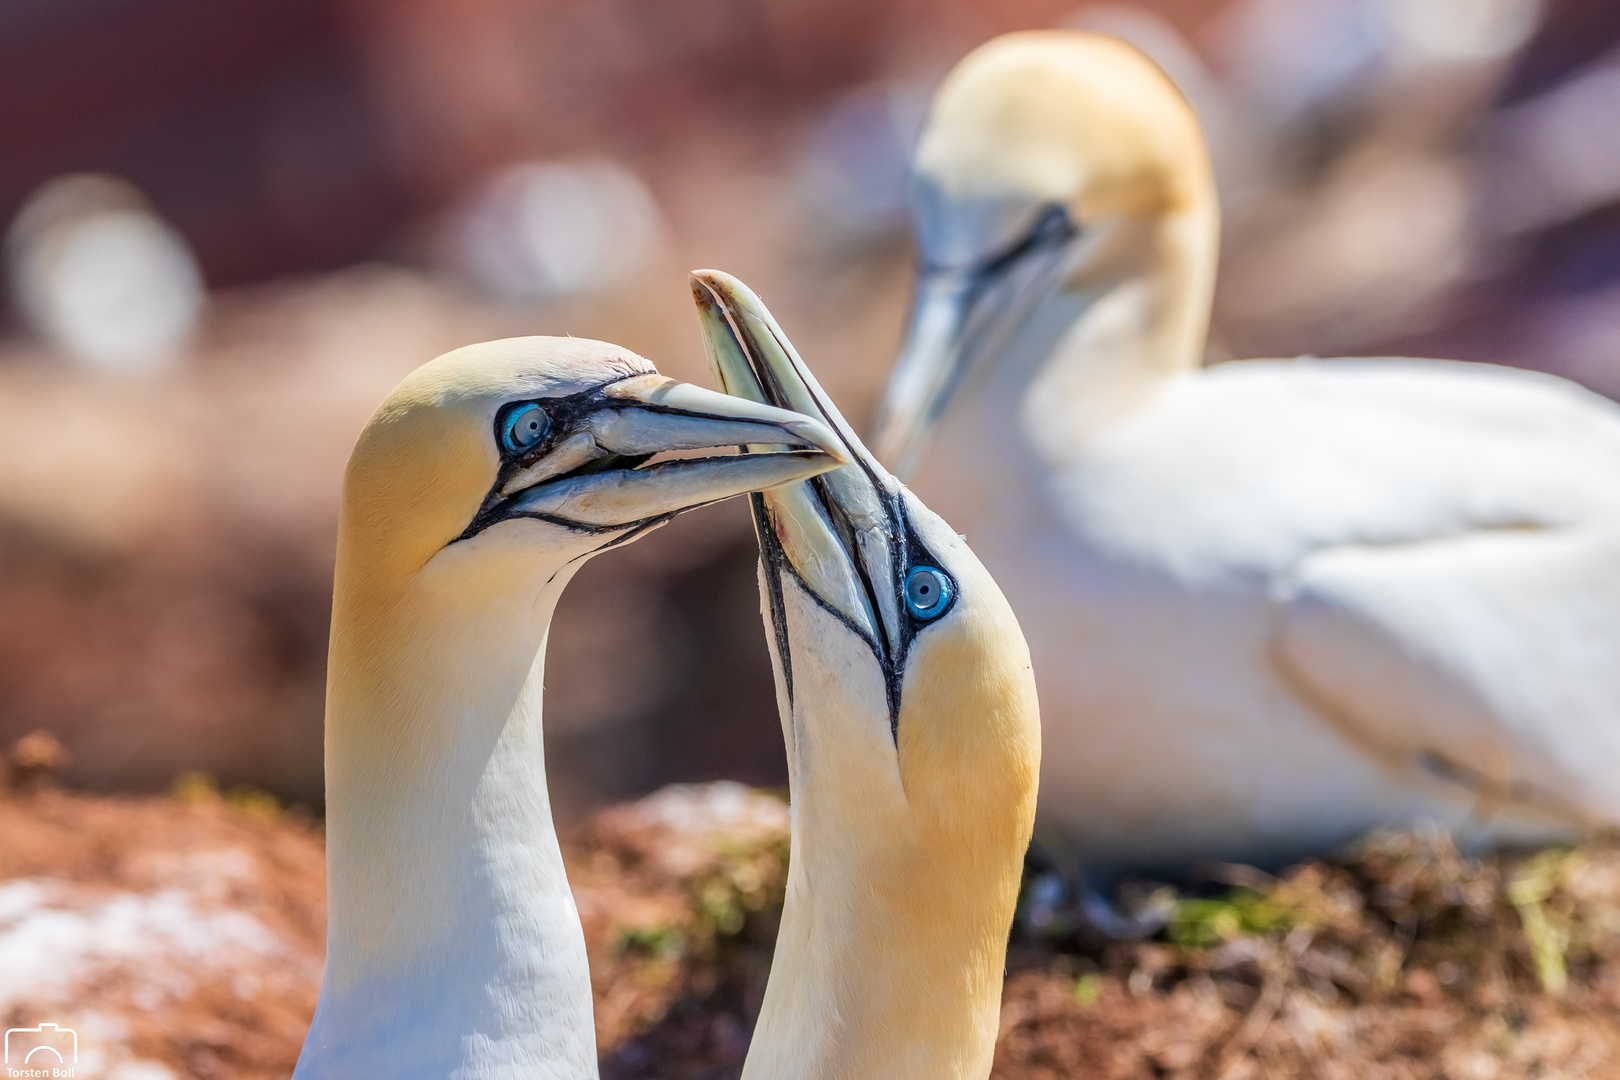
x=1271, y=603
x=913, y=740
x=475, y=492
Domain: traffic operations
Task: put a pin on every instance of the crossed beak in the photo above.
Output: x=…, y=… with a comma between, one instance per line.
x=596, y=468
x=843, y=535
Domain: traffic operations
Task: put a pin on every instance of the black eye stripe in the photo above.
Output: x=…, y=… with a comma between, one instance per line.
x=559, y=417
x=1051, y=226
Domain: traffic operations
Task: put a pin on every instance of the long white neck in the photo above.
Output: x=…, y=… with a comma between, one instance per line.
x=453, y=943
x=887, y=963
x=902, y=879
x=1092, y=358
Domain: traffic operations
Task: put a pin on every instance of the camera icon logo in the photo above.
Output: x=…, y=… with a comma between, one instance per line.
x=44, y=1045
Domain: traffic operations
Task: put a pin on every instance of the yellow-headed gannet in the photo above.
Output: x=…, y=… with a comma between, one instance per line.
x=474, y=493
x=1271, y=603
x=913, y=741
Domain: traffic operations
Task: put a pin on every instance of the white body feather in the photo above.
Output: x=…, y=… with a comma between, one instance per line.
x=1281, y=602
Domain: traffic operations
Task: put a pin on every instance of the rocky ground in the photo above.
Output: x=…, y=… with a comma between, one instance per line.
x=181, y=936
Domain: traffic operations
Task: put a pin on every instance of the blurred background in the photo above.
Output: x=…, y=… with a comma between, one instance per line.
x=233, y=225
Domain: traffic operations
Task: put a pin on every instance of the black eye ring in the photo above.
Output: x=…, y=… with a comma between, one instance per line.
x=928, y=592
x=523, y=427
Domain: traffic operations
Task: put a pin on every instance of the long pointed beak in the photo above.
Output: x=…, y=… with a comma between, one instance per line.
x=842, y=534
x=594, y=472
x=961, y=317
x=936, y=356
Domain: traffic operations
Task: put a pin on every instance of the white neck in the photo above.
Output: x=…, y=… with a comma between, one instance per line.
x=453, y=944
x=1090, y=358
x=889, y=959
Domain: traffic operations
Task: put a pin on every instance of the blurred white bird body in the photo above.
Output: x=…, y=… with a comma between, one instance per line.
x=1271, y=603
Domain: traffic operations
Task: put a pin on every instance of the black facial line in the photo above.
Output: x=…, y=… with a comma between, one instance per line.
x=858, y=459
x=891, y=657
x=632, y=531
x=772, y=559
x=1052, y=225
x=891, y=662
x=776, y=565
x=778, y=562
x=911, y=625
x=563, y=413
x=893, y=506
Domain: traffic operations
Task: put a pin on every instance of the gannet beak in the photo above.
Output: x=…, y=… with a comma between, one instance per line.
x=591, y=470
x=842, y=535
x=959, y=316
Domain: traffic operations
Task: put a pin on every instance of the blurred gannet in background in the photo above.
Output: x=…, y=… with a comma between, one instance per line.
x=475, y=492
x=913, y=740
x=1272, y=603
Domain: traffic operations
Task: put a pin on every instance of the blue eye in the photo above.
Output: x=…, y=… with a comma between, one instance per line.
x=524, y=426
x=928, y=591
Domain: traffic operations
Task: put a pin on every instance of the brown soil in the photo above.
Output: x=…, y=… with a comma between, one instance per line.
x=237, y=1011
x=1407, y=961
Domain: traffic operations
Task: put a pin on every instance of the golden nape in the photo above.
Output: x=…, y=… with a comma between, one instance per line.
x=913, y=741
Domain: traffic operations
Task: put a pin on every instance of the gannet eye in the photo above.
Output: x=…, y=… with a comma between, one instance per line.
x=928, y=591
x=524, y=426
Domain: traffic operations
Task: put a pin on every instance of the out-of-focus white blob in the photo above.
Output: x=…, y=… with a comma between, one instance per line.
x=557, y=229
x=1556, y=155
x=855, y=169
x=1462, y=30
x=97, y=273
x=1287, y=57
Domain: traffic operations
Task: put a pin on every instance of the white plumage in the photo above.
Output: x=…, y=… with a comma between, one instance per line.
x=453, y=944
x=1271, y=603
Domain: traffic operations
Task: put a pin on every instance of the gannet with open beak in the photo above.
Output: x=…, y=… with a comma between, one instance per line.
x=474, y=493
x=1271, y=603
x=913, y=742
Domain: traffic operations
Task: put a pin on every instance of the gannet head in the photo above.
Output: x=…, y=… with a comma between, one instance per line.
x=1049, y=161
x=476, y=490
x=528, y=453
x=909, y=710
x=482, y=482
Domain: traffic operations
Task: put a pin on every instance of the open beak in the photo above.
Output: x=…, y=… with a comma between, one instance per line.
x=842, y=535
x=596, y=468
x=960, y=316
